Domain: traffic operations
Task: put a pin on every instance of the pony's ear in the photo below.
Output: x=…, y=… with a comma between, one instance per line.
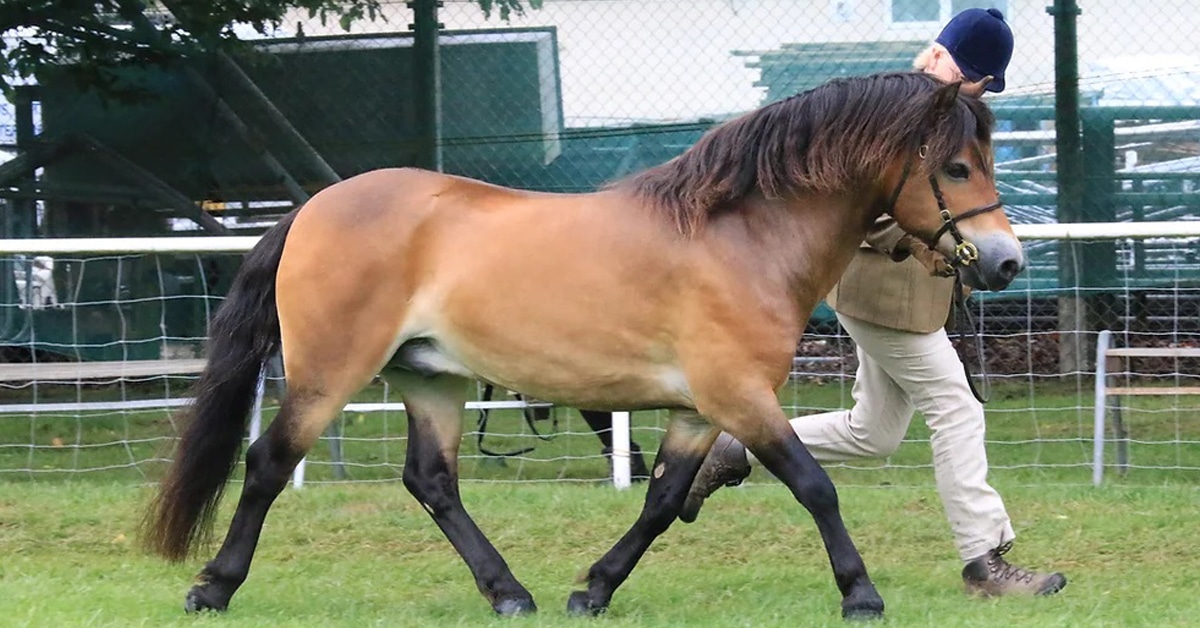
x=975, y=90
x=943, y=100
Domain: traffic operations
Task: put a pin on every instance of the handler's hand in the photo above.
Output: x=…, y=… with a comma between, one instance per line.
x=936, y=262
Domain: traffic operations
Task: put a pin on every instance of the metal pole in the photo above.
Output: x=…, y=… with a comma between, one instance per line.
x=1070, y=175
x=1098, y=270
x=427, y=82
x=22, y=222
x=1066, y=114
x=1101, y=408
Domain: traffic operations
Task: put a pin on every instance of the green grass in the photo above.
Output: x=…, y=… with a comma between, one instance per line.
x=72, y=488
x=366, y=555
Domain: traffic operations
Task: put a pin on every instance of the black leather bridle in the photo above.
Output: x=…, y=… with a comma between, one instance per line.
x=965, y=251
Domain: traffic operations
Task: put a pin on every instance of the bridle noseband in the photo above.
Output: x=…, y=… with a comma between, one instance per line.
x=965, y=251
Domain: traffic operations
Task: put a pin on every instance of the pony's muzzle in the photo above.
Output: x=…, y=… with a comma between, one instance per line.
x=1000, y=261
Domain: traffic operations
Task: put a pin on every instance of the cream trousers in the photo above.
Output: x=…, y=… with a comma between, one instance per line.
x=900, y=372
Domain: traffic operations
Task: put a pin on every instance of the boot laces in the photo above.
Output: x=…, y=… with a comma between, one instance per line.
x=1002, y=570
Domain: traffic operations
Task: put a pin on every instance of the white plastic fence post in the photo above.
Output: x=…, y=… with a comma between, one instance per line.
x=256, y=426
x=298, y=475
x=622, y=473
x=1101, y=404
x=256, y=414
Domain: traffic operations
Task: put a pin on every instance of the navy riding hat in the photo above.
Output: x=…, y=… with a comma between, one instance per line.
x=981, y=44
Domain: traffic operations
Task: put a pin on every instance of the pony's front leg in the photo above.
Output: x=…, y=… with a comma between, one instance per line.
x=434, y=406
x=772, y=440
x=679, y=456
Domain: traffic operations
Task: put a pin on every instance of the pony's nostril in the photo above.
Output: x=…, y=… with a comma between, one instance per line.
x=1009, y=269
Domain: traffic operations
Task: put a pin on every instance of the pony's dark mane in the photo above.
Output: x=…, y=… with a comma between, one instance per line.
x=840, y=135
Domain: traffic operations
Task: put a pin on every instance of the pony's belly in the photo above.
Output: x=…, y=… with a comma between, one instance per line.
x=631, y=387
x=625, y=393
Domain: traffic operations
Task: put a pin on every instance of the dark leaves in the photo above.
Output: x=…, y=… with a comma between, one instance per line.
x=95, y=37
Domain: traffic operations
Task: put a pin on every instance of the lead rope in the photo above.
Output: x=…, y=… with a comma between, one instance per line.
x=481, y=428
x=959, y=303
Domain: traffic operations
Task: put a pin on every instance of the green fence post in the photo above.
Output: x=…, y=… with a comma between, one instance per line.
x=1071, y=352
x=1098, y=259
x=427, y=82
x=22, y=222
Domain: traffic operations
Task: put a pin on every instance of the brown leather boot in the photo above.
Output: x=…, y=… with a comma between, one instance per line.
x=990, y=575
x=725, y=465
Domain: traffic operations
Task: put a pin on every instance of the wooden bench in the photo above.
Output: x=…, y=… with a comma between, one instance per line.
x=84, y=371
x=1111, y=359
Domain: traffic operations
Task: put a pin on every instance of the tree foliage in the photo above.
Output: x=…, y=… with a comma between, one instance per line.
x=95, y=37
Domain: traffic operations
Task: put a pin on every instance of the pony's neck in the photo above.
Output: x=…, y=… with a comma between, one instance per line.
x=805, y=243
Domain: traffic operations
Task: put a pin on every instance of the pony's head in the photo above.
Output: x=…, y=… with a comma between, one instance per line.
x=943, y=189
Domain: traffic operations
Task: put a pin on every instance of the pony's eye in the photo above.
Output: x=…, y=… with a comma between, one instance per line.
x=958, y=171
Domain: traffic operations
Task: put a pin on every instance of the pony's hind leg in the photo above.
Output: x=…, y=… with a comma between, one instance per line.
x=435, y=414
x=679, y=456
x=270, y=461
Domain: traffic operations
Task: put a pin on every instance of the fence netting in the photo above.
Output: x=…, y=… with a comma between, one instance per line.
x=566, y=98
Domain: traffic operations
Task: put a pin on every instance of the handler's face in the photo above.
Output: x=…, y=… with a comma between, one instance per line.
x=944, y=67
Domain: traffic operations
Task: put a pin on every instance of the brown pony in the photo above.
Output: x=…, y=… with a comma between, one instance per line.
x=685, y=287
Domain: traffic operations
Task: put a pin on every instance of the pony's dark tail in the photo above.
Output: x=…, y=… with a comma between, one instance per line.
x=243, y=334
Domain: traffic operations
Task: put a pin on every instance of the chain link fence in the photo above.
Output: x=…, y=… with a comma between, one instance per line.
x=578, y=93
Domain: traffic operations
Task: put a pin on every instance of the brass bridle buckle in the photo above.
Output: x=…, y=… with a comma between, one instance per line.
x=965, y=251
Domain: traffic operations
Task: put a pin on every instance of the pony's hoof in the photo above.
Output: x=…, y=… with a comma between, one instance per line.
x=862, y=605
x=512, y=607
x=201, y=599
x=580, y=604
x=861, y=614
